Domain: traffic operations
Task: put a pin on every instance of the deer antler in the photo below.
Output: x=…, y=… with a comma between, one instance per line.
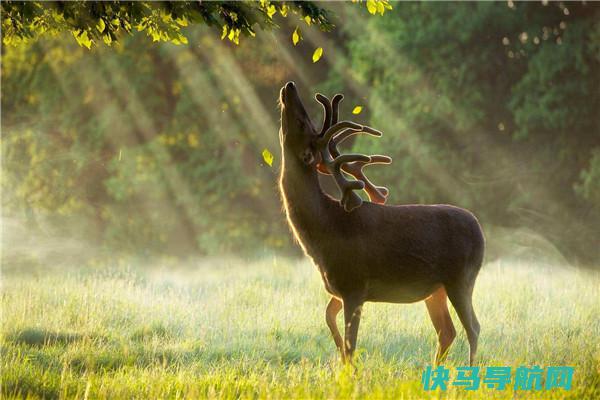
x=332, y=162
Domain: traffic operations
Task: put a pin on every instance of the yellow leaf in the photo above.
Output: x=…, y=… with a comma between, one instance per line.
x=357, y=110
x=296, y=36
x=372, y=6
x=83, y=39
x=284, y=10
x=317, y=54
x=308, y=20
x=180, y=39
x=268, y=157
x=271, y=10
x=101, y=25
x=224, y=32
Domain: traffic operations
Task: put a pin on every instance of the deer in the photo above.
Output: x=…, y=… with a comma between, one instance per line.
x=367, y=251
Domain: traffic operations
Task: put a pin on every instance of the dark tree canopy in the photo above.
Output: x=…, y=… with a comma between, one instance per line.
x=95, y=22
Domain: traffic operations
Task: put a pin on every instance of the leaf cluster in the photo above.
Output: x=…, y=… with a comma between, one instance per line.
x=93, y=22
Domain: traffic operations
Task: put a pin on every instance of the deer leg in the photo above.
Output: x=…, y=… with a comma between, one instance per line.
x=463, y=304
x=333, y=308
x=352, y=313
x=437, y=306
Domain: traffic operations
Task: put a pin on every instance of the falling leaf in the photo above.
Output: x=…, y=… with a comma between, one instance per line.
x=317, y=54
x=268, y=157
x=357, y=110
x=296, y=36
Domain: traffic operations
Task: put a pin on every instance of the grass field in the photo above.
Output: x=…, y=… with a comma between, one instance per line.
x=225, y=329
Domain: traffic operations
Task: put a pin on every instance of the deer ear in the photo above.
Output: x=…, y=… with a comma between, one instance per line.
x=307, y=156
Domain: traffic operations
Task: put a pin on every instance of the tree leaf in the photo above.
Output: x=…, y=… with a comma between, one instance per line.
x=25, y=20
x=83, y=39
x=296, y=36
x=268, y=157
x=357, y=110
x=284, y=10
x=101, y=25
x=372, y=6
x=317, y=54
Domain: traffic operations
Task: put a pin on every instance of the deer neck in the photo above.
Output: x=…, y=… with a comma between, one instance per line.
x=307, y=207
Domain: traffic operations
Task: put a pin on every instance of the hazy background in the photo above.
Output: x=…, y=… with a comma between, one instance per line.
x=153, y=150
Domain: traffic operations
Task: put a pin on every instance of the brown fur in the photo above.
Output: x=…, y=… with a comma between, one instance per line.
x=378, y=253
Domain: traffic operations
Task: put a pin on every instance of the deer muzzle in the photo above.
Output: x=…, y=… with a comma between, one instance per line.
x=288, y=93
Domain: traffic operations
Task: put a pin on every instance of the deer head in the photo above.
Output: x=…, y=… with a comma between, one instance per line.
x=297, y=133
x=317, y=151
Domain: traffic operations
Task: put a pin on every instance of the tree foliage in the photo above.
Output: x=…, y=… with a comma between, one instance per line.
x=492, y=107
x=93, y=22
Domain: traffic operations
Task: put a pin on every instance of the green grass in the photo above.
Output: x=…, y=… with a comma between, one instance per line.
x=227, y=329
